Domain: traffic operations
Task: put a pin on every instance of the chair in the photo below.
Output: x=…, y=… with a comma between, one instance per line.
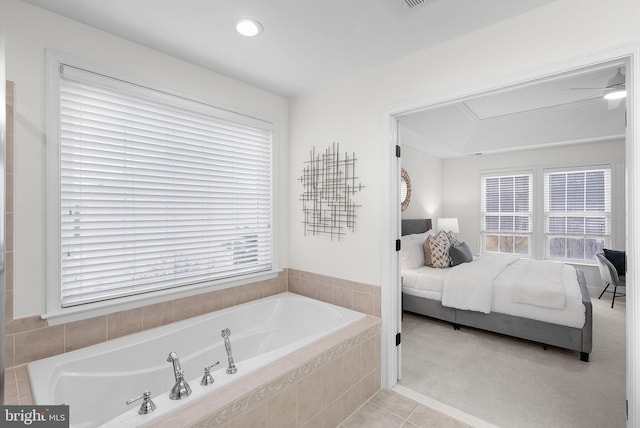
x=610, y=277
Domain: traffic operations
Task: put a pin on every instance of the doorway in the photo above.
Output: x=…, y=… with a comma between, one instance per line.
x=390, y=274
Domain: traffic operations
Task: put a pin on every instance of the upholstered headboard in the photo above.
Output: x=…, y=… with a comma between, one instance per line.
x=409, y=227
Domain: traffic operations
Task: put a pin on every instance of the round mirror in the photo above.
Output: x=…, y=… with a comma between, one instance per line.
x=405, y=189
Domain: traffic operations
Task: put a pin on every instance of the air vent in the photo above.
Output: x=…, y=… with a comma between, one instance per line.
x=413, y=3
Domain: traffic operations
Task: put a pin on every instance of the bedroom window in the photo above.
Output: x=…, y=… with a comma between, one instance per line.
x=577, y=212
x=506, y=213
x=150, y=191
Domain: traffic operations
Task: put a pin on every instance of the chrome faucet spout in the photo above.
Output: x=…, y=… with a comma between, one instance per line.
x=181, y=389
x=231, y=369
x=173, y=358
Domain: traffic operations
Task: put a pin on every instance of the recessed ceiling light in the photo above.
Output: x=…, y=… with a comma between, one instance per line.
x=248, y=27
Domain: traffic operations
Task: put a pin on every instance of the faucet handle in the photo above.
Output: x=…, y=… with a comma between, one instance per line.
x=147, y=405
x=207, y=379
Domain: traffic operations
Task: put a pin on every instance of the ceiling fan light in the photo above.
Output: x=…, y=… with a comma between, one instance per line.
x=615, y=95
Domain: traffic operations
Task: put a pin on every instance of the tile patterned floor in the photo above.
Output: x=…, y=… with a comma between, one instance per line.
x=388, y=409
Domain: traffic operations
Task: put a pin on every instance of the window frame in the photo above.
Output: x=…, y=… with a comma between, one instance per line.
x=55, y=313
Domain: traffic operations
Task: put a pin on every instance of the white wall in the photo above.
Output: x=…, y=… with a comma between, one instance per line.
x=350, y=110
x=425, y=172
x=29, y=31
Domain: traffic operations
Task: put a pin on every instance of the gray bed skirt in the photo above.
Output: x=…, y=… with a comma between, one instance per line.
x=576, y=339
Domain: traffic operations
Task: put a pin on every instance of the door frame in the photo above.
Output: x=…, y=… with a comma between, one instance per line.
x=390, y=213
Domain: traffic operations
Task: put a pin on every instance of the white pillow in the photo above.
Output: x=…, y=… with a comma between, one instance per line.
x=412, y=250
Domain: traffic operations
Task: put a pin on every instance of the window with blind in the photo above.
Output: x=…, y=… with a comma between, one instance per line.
x=577, y=212
x=506, y=213
x=155, y=191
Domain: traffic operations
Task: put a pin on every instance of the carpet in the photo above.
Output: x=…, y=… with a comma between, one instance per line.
x=516, y=383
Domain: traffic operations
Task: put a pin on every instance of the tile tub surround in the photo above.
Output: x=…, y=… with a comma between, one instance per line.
x=318, y=386
x=29, y=339
x=360, y=297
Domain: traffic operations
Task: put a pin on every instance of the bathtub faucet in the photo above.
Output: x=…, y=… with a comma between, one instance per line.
x=181, y=388
x=231, y=369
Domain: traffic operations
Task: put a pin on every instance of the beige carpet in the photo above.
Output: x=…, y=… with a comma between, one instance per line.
x=515, y=383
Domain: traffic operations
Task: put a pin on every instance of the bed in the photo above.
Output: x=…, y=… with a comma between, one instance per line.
x=537, y=314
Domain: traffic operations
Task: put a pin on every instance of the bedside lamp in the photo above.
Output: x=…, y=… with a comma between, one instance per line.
x=449, y=224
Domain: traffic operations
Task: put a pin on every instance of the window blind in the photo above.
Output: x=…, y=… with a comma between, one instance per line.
x=577, y=212
x=157, y=191
x=506, y=212
x=506, y=203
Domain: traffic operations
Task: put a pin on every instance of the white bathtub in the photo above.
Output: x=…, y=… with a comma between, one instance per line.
x=96, y=381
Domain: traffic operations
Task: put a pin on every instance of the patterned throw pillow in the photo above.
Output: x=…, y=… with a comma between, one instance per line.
x=453, y=239
x=436, y=249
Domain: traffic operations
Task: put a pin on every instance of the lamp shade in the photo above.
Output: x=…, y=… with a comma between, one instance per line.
x=448, y=224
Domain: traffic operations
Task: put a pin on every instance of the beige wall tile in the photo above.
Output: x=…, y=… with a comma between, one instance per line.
x=332, y=415
x=295, y=285
x=363, y=302
x=351, y=400
x=254, y=418
x=9, y=350
x=9, y=270
x=187, y=307
x=309, y=399
x=281, y=409
x=331, y=381
x=369, y=350
x=24, y=324
x=219, y=420
x=9, y=192
x=22, y=380
x=233, y=296
x=37, y=344
x=343, y=297
x=342, y=283
x=9, y=231
x=157, y=315
x=325, y=293
x=212, y=301
x=8, y=306
x=254, y=291
x=81, y=334
x=377, y=307
x=315, y=422
x=371, y=384
x=271, y=287
x=11, y=395
x=123, y=323
x=350, y=368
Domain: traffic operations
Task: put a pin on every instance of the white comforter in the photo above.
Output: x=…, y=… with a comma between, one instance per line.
x=470, y=286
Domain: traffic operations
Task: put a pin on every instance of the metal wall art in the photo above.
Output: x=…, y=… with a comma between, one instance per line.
x=329, y=182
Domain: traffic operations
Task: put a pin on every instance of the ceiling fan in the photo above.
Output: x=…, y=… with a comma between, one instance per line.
x=614, y=91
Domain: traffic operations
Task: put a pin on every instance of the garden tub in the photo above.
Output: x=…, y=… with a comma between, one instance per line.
x=97, y=381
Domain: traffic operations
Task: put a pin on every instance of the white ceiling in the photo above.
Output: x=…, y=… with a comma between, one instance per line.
x=306, y=45
x=539, y=114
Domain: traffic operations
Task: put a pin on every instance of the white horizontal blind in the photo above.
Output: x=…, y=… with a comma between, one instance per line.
x=577, y=212
x=156, y=191
x=506, y=212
